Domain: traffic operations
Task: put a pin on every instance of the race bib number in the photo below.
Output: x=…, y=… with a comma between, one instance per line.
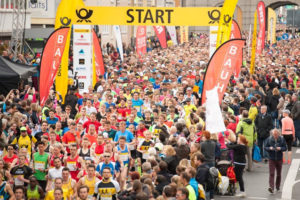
x=17, y=181
x=145, y=156
x=124, y=157
x=71, y=166
x=39, y=165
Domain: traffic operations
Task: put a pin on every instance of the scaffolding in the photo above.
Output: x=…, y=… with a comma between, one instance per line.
x=18, y=25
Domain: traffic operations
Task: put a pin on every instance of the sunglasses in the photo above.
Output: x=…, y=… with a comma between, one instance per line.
x=106, y=156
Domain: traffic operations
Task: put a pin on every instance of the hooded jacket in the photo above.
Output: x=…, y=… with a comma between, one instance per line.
x=247, y=128
x=264, y=124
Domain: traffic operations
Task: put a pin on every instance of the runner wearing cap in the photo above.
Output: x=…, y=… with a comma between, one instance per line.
x=25, y=140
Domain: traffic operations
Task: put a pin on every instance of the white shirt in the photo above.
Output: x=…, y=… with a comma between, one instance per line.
x=90, y=110
x=55, y=173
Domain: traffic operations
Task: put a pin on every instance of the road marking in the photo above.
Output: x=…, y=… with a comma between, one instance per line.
x=287, y=190
x=256, y=198
x=298, y=151
x=262, y=198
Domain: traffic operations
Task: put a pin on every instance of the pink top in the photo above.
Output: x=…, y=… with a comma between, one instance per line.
x=222, y=136
x=288, y=126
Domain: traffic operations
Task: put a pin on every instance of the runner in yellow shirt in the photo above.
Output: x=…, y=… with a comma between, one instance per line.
x=25, y=140
x=58, y=184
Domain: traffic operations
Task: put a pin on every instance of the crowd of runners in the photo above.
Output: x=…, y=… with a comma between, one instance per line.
x=139, y=133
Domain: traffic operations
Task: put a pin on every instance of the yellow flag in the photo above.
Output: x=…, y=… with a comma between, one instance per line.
x=184, y=34
x=271, y=26
x=252, y=67
x=94, y=68
x=226, y=16
x=65, y=15
x=186, y=30
x=66, y=12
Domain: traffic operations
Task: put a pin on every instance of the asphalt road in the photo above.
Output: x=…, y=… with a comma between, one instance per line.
x=257, y=182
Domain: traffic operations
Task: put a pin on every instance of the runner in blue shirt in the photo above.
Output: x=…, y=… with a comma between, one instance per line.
x=123, y=132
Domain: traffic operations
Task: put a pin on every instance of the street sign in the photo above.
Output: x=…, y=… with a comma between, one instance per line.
x=285, y=36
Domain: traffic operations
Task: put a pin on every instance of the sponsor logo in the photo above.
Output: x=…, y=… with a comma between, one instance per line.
x=227, y=19
x=65, y=21
x=214, y=16
x=81, y=52
x=84, y=15
x=82, y=43
x=80, y=68
x=81, y=61
x=81, y=85
x=81, y=30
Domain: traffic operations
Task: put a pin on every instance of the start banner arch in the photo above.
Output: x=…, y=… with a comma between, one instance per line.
x=148, y=16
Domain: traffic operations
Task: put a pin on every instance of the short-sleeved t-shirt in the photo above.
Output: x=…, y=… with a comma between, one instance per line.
x=129, y=136
x=40, y=162
x=10, y=160
x=114, y=167
x=69, y=138
x=24, y=142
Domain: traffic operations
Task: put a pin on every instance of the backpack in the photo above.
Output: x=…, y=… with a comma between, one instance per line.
x=201, y=192
x=3, y=194
x=211, y=178
x=231, y=174
x=223, y=185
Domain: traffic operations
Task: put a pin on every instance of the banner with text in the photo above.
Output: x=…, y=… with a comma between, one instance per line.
x=253, y=50
x=98, y=65
x=213, y=33
x=172, y=33
x=141, y=43
x=236, y=34
x=82, y=55
x=118, y=36
x=64, y=18
x=220, y=67
x=271, y=26
x=51, y=58
x=261, y=14
x=149, y=16
x=224, y=28
x=184, y=34
x=161, y=35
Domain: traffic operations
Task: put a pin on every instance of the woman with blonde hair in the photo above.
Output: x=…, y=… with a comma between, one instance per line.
x=195, y=148
x=185, y=163
x=171, y=159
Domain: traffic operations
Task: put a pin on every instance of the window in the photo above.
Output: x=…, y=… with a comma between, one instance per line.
x=123, y=29
x=105, y=29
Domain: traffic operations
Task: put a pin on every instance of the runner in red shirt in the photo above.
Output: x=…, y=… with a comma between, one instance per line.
x=71, y=137
x=123, y=111
x=92, y=120
x=92, y=134
x=10, y=156
x=98, y=147
x=74, y=162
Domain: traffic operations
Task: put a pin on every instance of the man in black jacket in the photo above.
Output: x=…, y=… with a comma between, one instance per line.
x=275, y=146
x=295, y=112
x=264, y=125
x=202, y=173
